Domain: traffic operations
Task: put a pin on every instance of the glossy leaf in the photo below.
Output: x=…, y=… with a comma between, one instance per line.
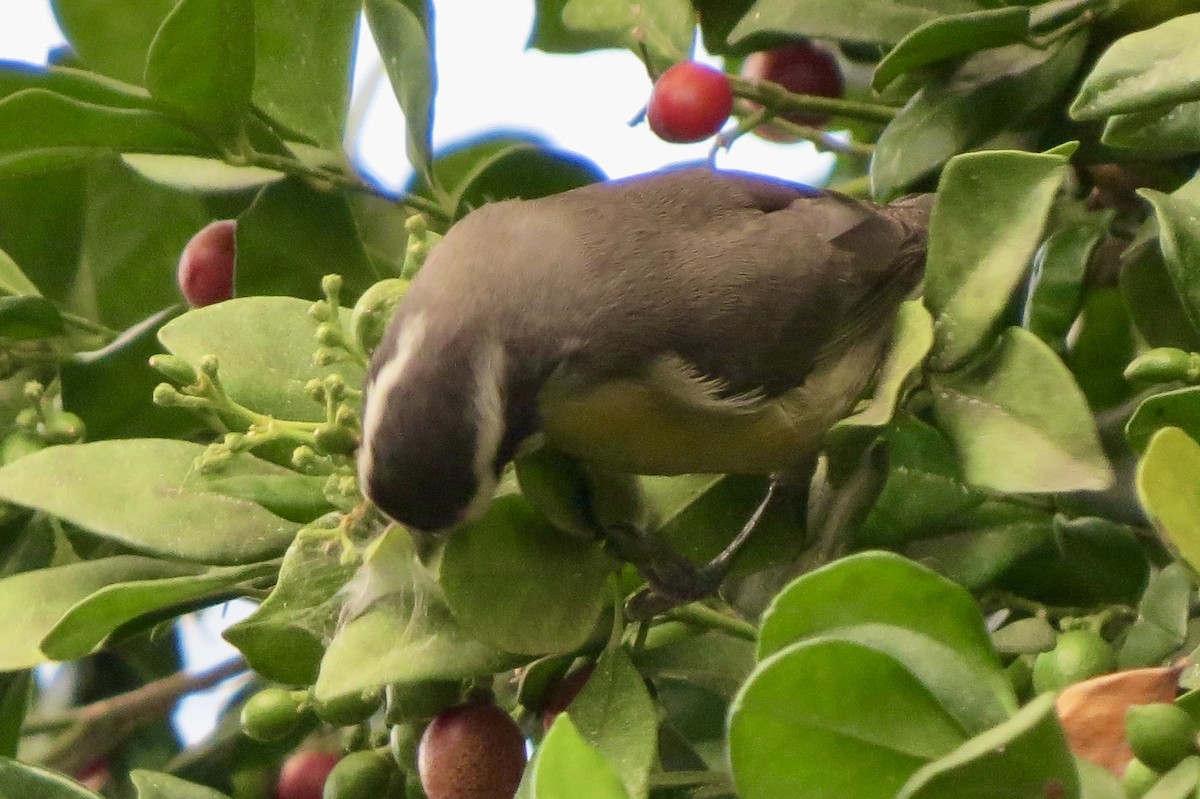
x=949, y=37
x=35, y=601
x=1155, y=308
x=25, y=780
x=1144, y=69
x=518, y=584
x=1025, y=756
x=974, y=557
x=881, y=21
x=1019, y=422
x=89, y=623
x=142, y=493
x=112, y=39
x=36, y=119
x=976, y=259
x=304, y=61
x=665, y=27
x=16, y=694
x=550, y=35
x=929, y=625
x=198, y=174
x=1163, y=132
x=1179, y=237
x=614, y=713
x=1177, y=408
x=157, y=785
x=524, y=172
x=717, y=18
x=997, y=90
x=1056, y=285
x=406, y=634
x=567, y=765
x=1169, y=490
x=201, y=62
x=713, y=661
x=825, y=718
x=292, y=236
x=264, y=346
x=29, y=317
x=1102, y=343
x=284, y=639
x=403, y=29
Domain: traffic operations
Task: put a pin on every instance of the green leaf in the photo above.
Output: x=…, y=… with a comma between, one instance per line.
x=1102, y=343
x=1145, y=69
x=1161, y=132
x=1003, y=89
x=112, y=38
x=292, y=236
x=198, y=174
x=1162, y=622
x=614, y=713
x=1025, y=756
x=1178, y=783
x=989, y=212
x=567, y=765
x=949, y=37
x=201, y=62
x=88, y=624
x=1177, y=408
x=713, y=661
x=717, y=18
x=1155, y=308
x=524, y=172
x=828, y=719
x=156, y=785
x=924, y=487
x=406, y=634
x=912, y=339
x=1169, y=490
x=23, y=780
x=264, y=346
x=111, y=388
x=929, y=625
x=974, y=557
x=882, y=21
x=1056, y=285
x=34, y=602
x=1019, y=421
x=29, y=317
x=284, y=639
x=665, y=27
x=138, y=492
x=516, y=583
x=403, y=29
x=1179, y=237
x=550, y=35
x=16, y=693
x=13, y=280
x=305, y=59
x=36, y=119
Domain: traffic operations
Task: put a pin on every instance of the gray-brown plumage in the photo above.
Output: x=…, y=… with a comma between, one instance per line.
x=656, y=324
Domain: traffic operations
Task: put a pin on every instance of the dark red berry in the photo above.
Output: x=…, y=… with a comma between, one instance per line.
x=205, y=271
x=471, y=751
x=564, y=693
x=689, y=103
x=801, y=68
x=303, y=774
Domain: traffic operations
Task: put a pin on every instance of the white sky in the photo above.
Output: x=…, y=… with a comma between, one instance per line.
x=487, y=81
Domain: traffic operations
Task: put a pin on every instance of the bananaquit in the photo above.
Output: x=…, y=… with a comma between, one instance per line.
x=690, y=320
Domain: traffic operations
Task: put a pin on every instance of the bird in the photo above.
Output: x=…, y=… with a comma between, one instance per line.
x=690, y=320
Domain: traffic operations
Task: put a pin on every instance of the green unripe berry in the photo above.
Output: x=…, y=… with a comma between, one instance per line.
x=1078, y=655
x=403, y=740
x=33, y=390
x=360, y=775
x=374, y=310
x=347, y=709
x=335, y=439
x=1160, y=734
x=64, y=428
x=421, y=701
x=28, y=419
x=1139, y=779
x=1164, y=365
x=271, y=714
x=209, y=365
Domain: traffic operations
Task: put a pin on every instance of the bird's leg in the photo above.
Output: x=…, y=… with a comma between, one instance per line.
x=673, y=579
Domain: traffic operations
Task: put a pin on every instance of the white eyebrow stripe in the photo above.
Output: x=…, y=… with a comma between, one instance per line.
x=490, y=367
x=408, y=340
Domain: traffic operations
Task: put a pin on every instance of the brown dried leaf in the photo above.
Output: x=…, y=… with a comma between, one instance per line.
x=1092, y=712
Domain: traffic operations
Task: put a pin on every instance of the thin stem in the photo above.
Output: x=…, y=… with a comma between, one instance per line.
x=779, y=99
x=703, y=616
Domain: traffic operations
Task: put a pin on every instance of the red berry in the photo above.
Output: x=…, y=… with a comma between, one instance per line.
x=690, y=102
x=564, y=693
x=206, y=266
x=801, y=68
x=471, y=751
x=303, y=774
